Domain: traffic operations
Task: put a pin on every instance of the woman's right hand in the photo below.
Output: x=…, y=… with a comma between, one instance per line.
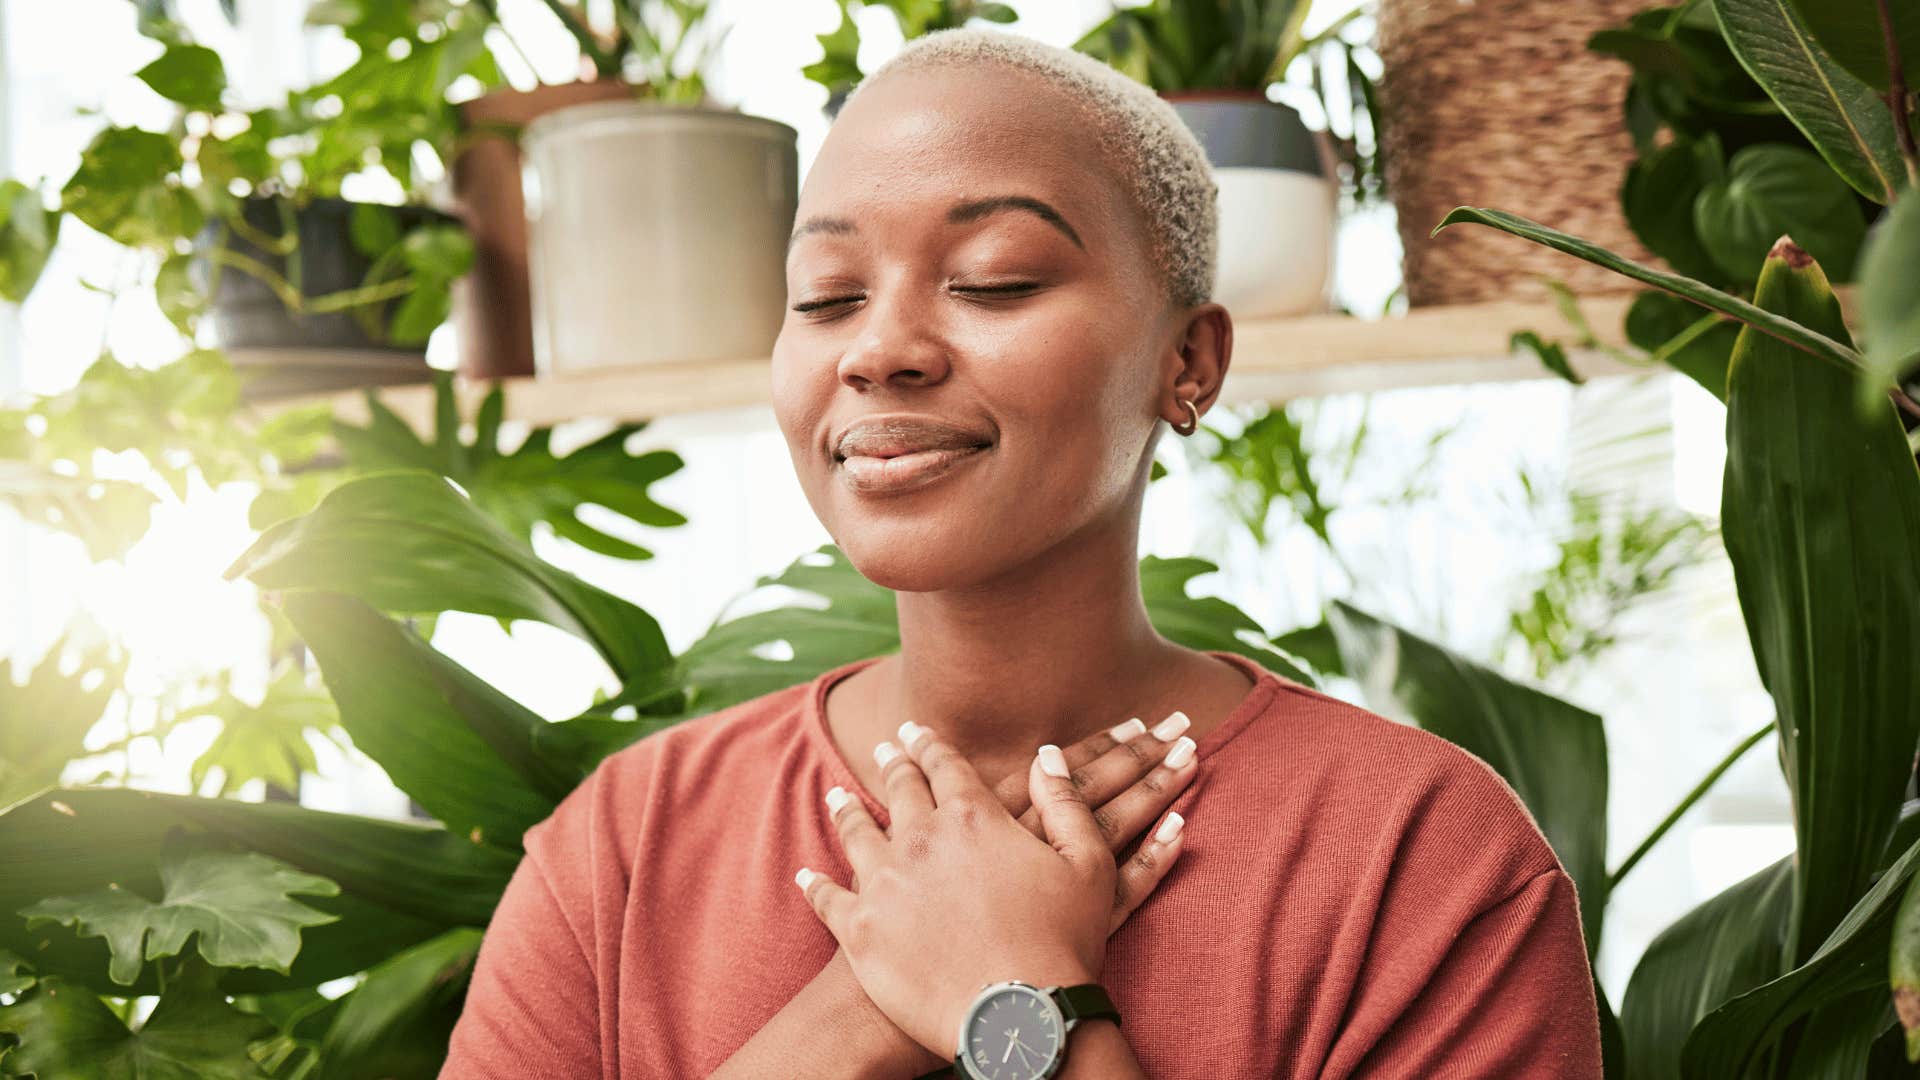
x=1130, y=785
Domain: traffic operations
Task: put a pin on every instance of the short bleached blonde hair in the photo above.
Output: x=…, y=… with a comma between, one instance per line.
x=1159, y=161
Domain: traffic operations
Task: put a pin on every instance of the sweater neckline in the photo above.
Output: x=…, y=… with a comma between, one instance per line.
x=1266, y=686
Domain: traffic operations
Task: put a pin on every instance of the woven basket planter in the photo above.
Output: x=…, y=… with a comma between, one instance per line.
x=1498, y=103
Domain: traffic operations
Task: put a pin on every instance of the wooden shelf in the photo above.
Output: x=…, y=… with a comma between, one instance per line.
x=1273, y=360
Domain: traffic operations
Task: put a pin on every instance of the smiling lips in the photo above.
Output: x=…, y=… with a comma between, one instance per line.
x=886, y=454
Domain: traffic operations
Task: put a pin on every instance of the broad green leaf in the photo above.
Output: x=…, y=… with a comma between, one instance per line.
x=397, y=1022
x=401, y=882
x=462, y=750
x=1845, y=120
x=239, y=903
x=127, y=187
x=1550, y=354
x=1658, y=195
x=265, y=741
x=27, y=234
x=1699, y=292
x=408, y=543
x=1851, y=32
x=1852, y=959
x=45, y=717
x=1553, y=753
x=108, y=516
x=1890, y=300
x=1206, y=622
x=67, y=1033
x=1771, y=191
x=530, y=484
x=191, y=75
x=1821, y=518
x=1727, y=945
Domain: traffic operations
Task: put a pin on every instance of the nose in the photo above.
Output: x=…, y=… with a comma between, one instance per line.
x=896, y=345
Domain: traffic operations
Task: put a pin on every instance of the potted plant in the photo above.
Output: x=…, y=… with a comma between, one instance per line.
x=657, y=226
x=1214, y=61
x=240, y=214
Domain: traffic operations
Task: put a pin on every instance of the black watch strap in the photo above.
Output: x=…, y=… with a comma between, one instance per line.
x=1085, y=1002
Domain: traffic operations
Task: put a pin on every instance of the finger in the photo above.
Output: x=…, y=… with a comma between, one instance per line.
x=859, y=834
x=1147, y=868
x=1012, y=789
x=1126, y=815
x=908, y=796
x=1064, y=811
x=950, y=774
x=828, y=900
x=1129, y=770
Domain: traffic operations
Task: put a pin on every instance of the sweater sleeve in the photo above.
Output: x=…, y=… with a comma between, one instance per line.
x=531, y=1008
x=1513, y=998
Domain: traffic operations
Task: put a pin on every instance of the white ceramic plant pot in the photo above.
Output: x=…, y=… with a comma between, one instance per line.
x=656, y=234
x=1278, y=203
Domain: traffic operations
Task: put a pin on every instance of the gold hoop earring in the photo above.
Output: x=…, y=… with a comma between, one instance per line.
x=1192, y=427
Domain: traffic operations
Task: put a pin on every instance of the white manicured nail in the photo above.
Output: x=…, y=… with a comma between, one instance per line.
x=1169, y=828
x=803, y=879
x=836, y=798
x=909, y=732
x=885, y=752
x=1132, y=729
x=1181, y=753
x=1175, y=723
x=1053, y=762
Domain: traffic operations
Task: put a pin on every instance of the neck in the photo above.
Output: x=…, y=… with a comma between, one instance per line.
x=1051, y=652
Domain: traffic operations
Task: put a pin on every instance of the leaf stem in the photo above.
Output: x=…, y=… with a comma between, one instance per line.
x=1897, y=96
x=607, y=65
x=1700, y=789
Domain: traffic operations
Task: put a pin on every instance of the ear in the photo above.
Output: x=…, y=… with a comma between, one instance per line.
x=1198, y=365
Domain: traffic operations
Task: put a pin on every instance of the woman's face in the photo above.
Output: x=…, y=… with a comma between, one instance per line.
x=1034, y=324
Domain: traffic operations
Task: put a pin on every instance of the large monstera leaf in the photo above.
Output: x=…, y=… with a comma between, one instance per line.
x=44, y=720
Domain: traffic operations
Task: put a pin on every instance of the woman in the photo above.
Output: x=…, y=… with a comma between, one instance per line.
x=998, y=287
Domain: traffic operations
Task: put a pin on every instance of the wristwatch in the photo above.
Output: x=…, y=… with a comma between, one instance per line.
x=1018, y=1031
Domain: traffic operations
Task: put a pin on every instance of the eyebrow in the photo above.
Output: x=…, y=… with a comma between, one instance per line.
x=958, y=214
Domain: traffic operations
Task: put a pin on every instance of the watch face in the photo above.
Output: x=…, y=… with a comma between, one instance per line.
x=1013, y=1033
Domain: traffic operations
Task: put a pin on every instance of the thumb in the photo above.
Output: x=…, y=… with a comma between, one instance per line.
x=1063, y=809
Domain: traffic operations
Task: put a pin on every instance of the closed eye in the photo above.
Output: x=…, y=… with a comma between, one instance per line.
x=1010, y=289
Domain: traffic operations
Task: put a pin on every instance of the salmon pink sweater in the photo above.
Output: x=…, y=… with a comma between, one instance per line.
x=1357, y=898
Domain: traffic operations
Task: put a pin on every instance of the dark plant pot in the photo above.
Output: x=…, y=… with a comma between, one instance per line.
x=1277, y=201
x=280, y=352
x=492, y=305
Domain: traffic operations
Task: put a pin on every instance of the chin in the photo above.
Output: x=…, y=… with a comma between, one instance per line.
x=918, y=556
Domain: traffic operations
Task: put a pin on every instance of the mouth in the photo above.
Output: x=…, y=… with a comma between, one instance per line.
x=871, y=474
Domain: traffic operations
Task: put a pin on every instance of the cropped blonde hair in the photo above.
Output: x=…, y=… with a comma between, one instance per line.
x=1159, y=161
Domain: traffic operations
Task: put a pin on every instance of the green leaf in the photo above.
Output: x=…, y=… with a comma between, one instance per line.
x=14, y=977
x=373, y=228
x=1553, y=753
x=189, y=74
x=1851, y=32
x=1206, y=622
x=1845, y=120
x=1821, y=518
x=1852, y=959
x=398, y=1021
x=1770, y=191
x=45, y=718
x=1903, y=967
x=126, y=188
x=529, y=485
x=240, y=903
x=1551, y=355
x=460, y=748
x=267, y=741
x=371, y=538
x=1890, y=300
x=401, y=882
x=1699, y=346
x=27, y=234
x=180, y=299
x=108, y=516
x=1699, y=292
x=192, y=1034
x=1658, y=195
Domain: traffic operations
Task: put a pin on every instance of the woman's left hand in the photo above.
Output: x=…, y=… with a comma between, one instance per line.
x=961, y=894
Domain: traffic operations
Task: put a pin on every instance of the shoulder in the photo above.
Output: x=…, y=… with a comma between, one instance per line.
x=1382, y=789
